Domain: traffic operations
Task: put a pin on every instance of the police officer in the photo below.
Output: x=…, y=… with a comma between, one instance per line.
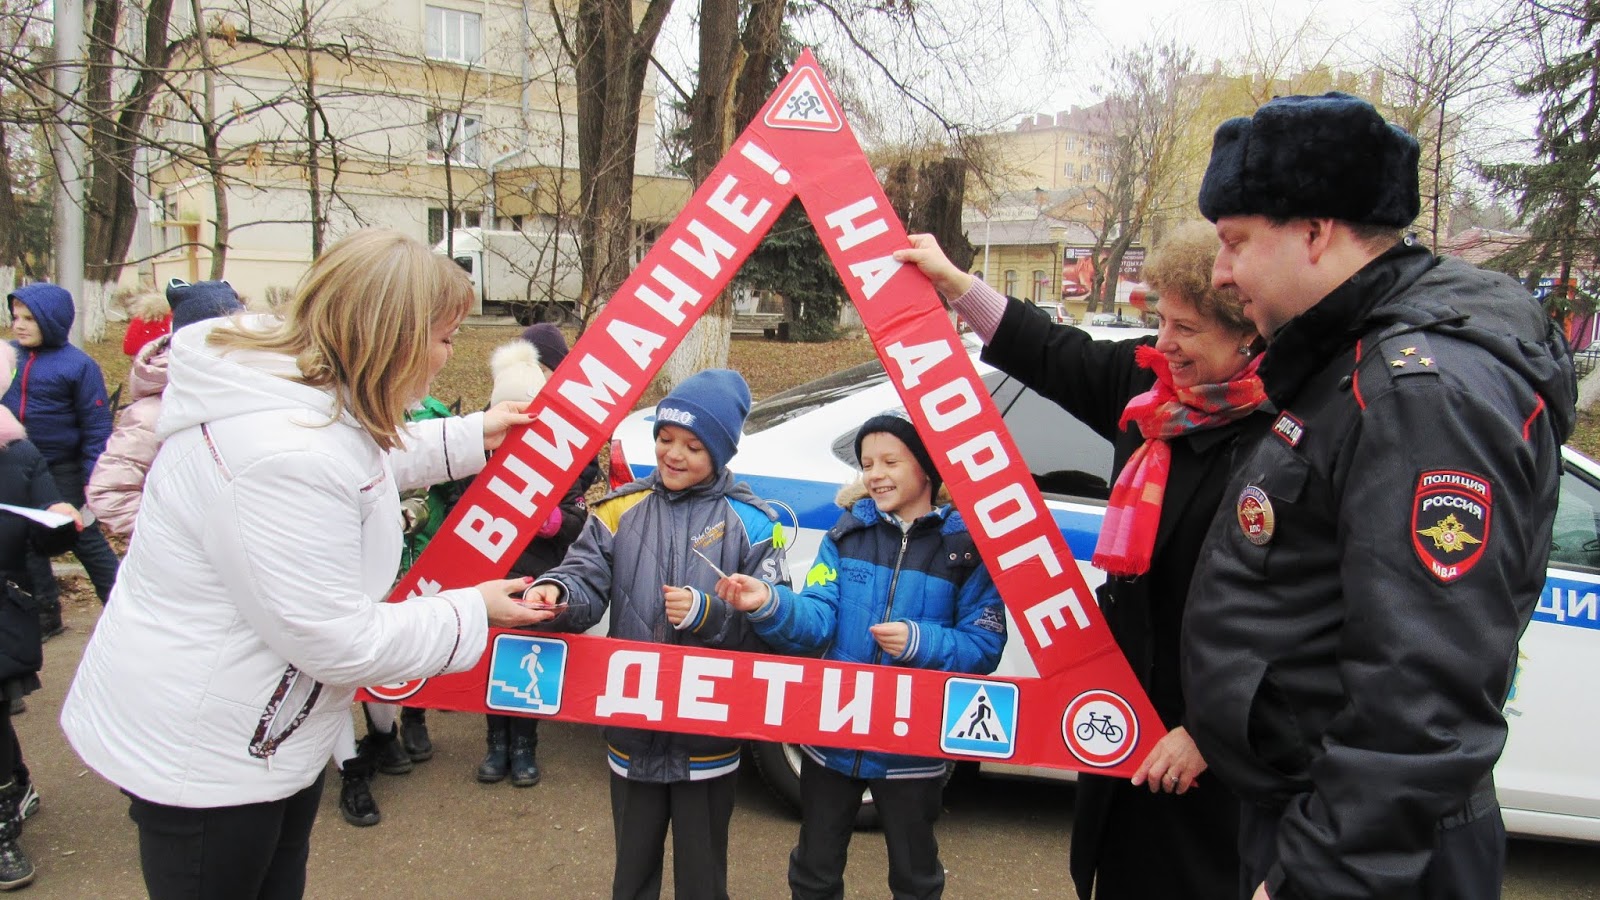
x=1352, y=627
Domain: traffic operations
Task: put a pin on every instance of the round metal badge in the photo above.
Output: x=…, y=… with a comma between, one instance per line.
x=1256, y=518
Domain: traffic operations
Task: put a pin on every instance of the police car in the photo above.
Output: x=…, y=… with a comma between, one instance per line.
x=798, y=448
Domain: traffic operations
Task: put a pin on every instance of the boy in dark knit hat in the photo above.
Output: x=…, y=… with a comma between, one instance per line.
x=916, y=594
x=651, y=552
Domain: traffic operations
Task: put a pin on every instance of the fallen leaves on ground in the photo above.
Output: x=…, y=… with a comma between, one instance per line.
x=769, y=366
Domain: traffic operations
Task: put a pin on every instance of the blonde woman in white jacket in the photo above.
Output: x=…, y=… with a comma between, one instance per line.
x=249, y=608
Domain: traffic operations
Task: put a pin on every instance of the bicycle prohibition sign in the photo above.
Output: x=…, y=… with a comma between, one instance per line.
x=1100, y=728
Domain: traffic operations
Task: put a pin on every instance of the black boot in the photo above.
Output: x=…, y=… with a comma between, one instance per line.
x=391, y=756
x=50, y=620
x=414, y=734
x=493, y=767
x=524, y=744
x=355, y=788
x=16, y=870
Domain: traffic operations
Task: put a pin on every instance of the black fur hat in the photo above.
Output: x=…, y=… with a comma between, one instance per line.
x=1331, y=156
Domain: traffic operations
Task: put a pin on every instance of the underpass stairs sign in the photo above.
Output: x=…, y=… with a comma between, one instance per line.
x=526, y=674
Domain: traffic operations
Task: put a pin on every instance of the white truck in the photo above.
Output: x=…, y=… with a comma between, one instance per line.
x=533, y=275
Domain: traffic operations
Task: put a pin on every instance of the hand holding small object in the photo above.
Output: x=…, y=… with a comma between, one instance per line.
x=67, y=509
x=501, y=602
x=542, y=601
x=742, y=592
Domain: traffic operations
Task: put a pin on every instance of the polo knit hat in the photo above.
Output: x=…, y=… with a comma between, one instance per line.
x=551, y=342
x=901, y=427
x=712, y=404
x=202, y=300
x=1301, y=157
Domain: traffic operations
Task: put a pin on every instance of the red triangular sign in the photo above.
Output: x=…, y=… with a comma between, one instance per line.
x=1085, y=711
x=802, y=103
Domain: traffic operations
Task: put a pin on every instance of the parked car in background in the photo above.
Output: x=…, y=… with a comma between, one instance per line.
x=1114, y=320
x=798, y=449
x=1058, y=313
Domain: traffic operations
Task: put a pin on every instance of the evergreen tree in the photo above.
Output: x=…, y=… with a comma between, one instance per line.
x=1558, y=196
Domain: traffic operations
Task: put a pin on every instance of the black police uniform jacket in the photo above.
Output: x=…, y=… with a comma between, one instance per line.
x=1115, y=824
x=1352, y=628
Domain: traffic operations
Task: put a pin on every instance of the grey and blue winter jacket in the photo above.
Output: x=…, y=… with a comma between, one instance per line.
x=641, y=537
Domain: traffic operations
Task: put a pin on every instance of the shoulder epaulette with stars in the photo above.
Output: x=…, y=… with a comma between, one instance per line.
x=1408, y=354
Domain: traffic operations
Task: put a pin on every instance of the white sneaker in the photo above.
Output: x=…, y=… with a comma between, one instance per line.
x=29, y=804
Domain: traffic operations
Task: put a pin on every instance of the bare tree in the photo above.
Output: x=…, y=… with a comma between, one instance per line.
x=611, y=50
x=1435, y=84
x=1153, y=97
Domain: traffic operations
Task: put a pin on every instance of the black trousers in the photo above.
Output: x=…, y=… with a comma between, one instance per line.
x=1469, y=858
x=98, y=559
x=227, y=852
x=698, y=812
x=907, y=808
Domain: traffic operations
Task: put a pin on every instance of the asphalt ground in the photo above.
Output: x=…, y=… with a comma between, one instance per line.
x=445, y=835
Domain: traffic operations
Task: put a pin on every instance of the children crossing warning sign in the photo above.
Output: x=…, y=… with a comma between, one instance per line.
x=801, y=103
x=799, y=146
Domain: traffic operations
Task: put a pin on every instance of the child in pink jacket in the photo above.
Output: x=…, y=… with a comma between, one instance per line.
x=117, y=482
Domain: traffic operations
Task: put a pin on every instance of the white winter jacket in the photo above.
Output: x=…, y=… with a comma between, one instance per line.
x=249, y=607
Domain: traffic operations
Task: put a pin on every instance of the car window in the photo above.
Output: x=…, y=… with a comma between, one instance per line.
x=797, y=401
x=1064, y=455
x=1575, y=540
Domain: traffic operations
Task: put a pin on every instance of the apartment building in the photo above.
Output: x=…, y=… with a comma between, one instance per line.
x=425, y=116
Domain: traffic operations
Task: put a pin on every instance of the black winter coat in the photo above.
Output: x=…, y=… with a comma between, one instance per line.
x=1115, y=825
x=1346, y=657
x=24, y=481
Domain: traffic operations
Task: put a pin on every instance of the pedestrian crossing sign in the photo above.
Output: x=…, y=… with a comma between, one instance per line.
x=980, y=718
x=526, y=674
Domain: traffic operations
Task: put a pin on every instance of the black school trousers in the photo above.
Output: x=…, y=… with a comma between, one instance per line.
x=907, y=808
x=698, y=811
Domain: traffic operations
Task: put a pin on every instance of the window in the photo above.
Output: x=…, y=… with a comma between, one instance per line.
x=1041, y=285
x=468, y=218
x=454, y=35
x=456, y=134
x=1575, y=539
x=1011, y=283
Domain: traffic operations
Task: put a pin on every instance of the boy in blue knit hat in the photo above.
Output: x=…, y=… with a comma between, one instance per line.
x=651, y=552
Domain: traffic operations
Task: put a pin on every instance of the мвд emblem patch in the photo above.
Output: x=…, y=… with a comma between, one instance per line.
x=1450, y=522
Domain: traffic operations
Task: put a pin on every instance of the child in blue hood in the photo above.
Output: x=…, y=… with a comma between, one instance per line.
x=897, y=582
x=59, y=395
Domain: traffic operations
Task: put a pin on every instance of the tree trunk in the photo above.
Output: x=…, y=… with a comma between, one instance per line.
x=11, y=254
x=116, y=132
x=208, y=128
x=711, y=122
x=313, y=143
x=612, y=59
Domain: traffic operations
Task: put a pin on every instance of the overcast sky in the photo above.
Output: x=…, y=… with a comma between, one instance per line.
x=1014, y=59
